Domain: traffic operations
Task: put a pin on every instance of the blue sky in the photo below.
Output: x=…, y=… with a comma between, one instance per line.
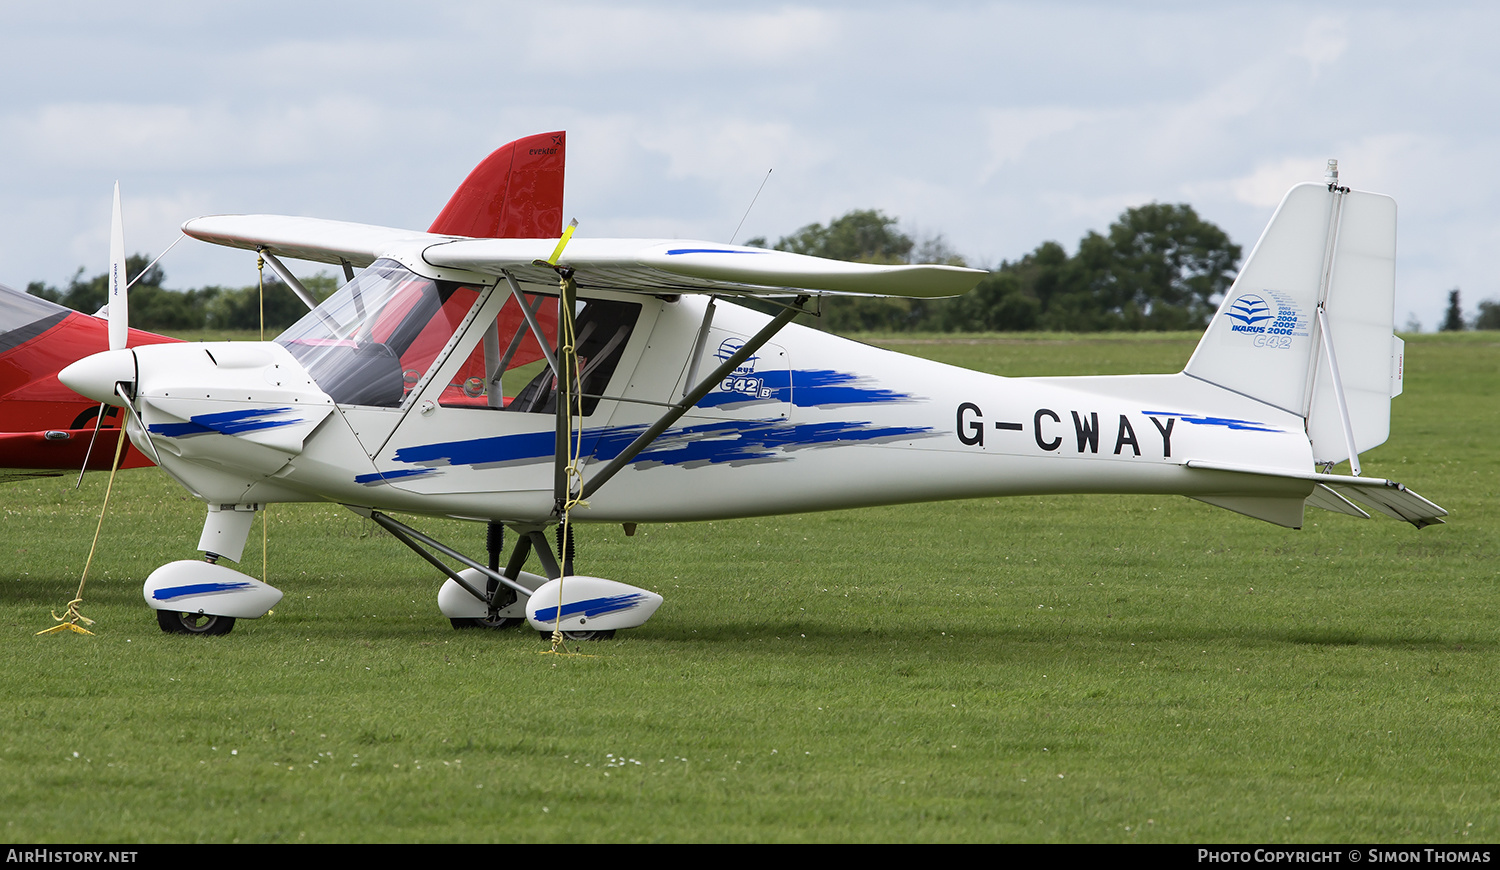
x=997, y=125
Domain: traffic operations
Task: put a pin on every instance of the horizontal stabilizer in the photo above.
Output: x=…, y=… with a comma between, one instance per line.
x=1328, y=500
x=1281, y=511
x=1385, y=496
x=1393, y=500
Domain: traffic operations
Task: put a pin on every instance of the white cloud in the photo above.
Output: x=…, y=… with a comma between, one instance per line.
x=575, y=39
x=1268, y=183
x=157, y=137
x=1323, y=42
x=1012, y=132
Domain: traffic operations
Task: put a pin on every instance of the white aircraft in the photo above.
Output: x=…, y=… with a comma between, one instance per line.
x=429, y=385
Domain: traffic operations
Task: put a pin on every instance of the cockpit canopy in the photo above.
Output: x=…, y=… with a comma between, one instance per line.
x=24, y=317
x=369, y=343
x=372, y=341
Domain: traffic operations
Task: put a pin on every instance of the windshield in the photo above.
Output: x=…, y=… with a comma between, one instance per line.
x=371, y=342
x=24, y=317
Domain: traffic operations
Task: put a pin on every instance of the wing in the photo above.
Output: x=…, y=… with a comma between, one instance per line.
x=634, y=265
x=654, y=266
x=304, y=238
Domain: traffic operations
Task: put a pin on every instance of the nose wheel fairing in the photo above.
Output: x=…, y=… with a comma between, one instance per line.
x=192, y=590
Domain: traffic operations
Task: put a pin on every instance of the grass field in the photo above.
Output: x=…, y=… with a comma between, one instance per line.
x=1089, y=669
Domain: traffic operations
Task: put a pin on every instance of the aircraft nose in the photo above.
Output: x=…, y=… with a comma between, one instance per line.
x=95, y=376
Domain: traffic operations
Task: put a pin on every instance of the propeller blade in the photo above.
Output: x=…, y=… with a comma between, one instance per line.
x=119, y=314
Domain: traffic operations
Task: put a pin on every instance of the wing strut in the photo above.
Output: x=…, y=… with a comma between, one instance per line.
x=289, y=279
x=708, y=322
x=703, y=388
x=530, y=315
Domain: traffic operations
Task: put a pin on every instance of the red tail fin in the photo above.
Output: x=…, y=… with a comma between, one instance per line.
x=515, y=193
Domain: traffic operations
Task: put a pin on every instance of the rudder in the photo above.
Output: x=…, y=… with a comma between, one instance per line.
x=1326, y=248
x=515, y=193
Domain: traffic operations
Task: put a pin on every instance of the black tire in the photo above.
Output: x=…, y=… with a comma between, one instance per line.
x=493, y=623
x=175, y=622
x=580, y=635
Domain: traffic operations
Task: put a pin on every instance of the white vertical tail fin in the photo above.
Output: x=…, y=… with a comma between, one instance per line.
x=1326, y=247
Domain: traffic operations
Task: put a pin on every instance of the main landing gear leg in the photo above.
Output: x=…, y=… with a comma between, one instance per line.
x=479, y=596
x=498, y=597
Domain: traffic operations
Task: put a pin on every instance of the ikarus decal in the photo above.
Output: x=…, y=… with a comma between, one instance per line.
x=1267, y=318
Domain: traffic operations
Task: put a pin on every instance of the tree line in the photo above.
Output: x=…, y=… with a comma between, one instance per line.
x=1157, y=267
x=1488, y=316
x=1160, y=267
x=158, y=309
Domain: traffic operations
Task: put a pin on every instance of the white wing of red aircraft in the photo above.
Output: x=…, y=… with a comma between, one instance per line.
x=429, y=384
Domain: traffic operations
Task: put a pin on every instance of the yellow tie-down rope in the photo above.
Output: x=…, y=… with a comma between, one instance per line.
x=71, y=617
x=567, y=361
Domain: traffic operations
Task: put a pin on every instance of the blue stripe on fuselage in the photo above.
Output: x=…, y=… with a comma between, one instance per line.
x=809, y=388
x=1227, y=422
x=705, y=444
x=225, y=423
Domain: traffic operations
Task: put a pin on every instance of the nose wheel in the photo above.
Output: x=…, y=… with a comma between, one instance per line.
x=175, y=622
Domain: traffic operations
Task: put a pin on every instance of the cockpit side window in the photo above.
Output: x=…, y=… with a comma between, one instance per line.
x=508, y=370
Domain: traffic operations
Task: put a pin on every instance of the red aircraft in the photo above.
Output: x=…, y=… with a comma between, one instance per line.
x=45, y=428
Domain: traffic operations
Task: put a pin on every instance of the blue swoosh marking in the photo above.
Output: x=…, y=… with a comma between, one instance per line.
x=593, y=607
x=171, y=592
x=705, y=444
x=1226, y=422
x=380, y=477
x=676, y=251
x=809, y=388
x=226, y=423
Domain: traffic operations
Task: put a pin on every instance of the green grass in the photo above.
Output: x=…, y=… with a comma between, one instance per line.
x=1058, y=669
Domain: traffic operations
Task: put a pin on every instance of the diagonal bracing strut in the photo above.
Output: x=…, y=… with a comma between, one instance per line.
x=412, y=538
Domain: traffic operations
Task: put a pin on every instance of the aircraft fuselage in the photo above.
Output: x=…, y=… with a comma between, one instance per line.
x=810, y=422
